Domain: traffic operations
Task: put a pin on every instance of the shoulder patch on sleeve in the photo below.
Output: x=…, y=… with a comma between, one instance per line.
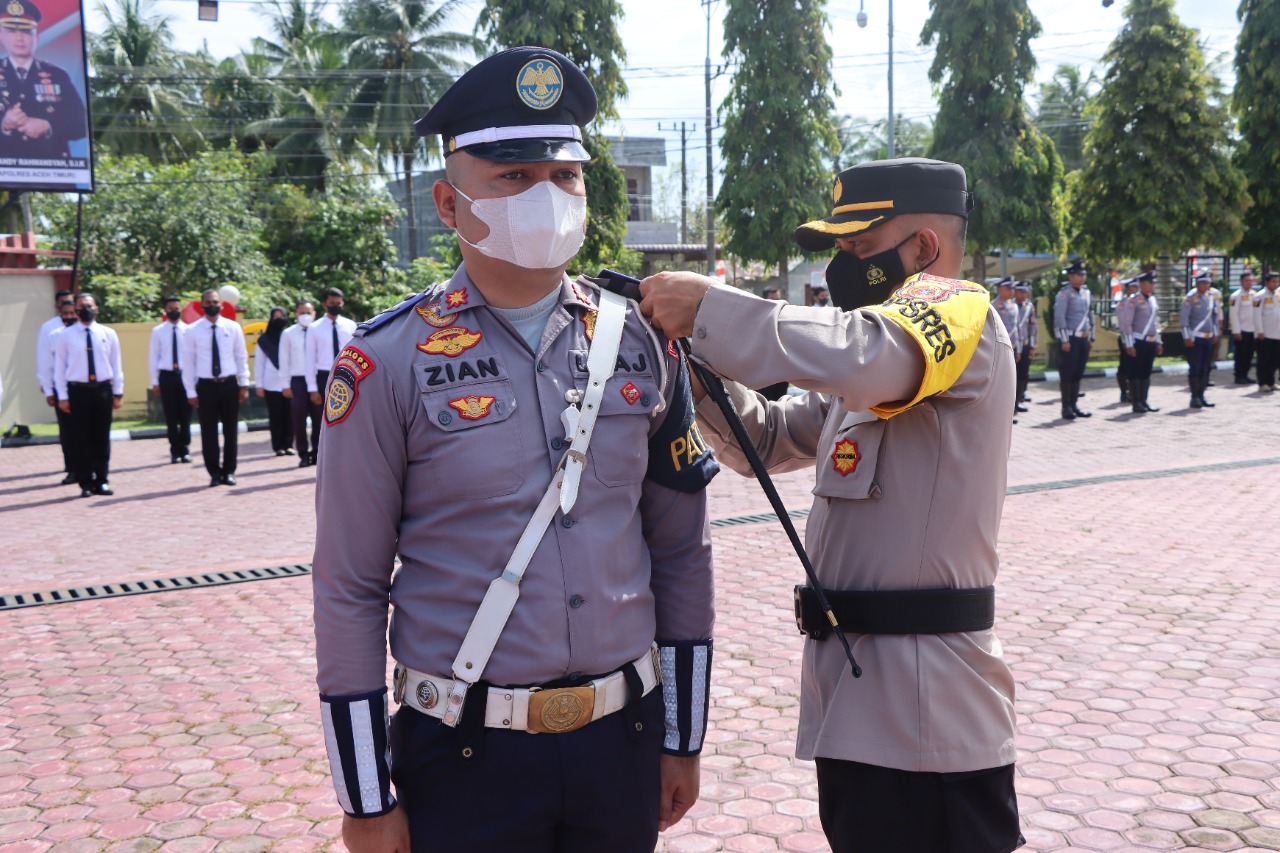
x=344, y=384
x=679, y=457
x=945, y=318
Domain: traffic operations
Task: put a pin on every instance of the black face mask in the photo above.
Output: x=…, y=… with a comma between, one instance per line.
x=855, y=282
x=212, y=310
x=333, y=310
x=86, y=314
x=68, y=321
x=277, y=324
x=173, y=315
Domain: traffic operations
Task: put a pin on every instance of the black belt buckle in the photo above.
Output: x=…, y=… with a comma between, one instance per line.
x=809, y=613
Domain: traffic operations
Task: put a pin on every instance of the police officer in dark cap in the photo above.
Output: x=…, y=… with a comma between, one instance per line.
x=908, y=389
x=1073, y=322
x=458, y=435
x=41, y=107
x=1128, y=290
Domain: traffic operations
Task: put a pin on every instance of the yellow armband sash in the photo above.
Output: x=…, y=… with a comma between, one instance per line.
x=945, y=317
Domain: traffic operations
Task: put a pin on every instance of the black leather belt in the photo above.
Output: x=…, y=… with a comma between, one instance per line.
x=897, y=611
x=88, y=384
x=216, y=379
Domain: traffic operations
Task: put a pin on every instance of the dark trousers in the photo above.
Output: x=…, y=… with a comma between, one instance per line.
x=1268, y=360
x=1143, y=360
x=303, y=408
x=278, y=420
x=64, y=437
x=776, y=391
x=219, y=404
x=177, y=412
x=587, y=791
x=1125, y=369
x=1071, y=365
x=870, y=809
x=90, y=431
x=1022, y=372
x=1200, y=358
x=1244, y=356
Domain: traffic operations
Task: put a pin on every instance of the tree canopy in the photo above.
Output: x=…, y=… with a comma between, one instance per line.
x=1256, y=103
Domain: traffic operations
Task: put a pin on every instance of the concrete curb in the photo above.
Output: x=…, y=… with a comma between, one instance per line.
x=1110, y=372
x=129, y=434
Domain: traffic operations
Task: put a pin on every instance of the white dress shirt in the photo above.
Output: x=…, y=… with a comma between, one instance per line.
x=320, y=351
x=163, y=355
x=1242, y=311
x=293, y=352
x=44, y=354
x=197, y=351
x=71, y=357
x=266, y=375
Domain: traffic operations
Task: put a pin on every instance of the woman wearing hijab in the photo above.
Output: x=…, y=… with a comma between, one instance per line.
x=270, y=382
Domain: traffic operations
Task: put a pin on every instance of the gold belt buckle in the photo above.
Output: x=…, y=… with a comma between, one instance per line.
x=560, y=709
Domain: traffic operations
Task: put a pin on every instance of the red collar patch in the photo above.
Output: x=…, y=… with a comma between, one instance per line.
x=472, y=407
x=456, y=298
x=846, y=457
x=451, y=341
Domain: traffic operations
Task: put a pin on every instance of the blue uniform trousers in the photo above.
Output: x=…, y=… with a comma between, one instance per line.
x=1200, y=358
x=1142, y=361
x=1071, y=366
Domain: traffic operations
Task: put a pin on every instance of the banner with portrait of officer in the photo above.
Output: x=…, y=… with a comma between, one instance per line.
x=44, y=120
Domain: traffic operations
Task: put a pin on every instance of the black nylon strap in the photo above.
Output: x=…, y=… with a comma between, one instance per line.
x=897, y=611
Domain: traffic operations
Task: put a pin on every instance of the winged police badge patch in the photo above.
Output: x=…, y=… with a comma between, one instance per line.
x=539, y=84
x=451, y=341
x=430, y=312
x=472, y=407
x=344, y=384
x=846, y=457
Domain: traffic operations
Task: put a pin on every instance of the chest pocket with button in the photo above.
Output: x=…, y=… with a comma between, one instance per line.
x=476, y=450
x=848, y=470
x=619, y=450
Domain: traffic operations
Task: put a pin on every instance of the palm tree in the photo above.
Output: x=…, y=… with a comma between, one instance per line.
x=409, y=60
x=140, y=102
x=1063, y=102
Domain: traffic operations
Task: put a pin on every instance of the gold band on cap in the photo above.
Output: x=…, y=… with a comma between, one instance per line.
x=863, y=205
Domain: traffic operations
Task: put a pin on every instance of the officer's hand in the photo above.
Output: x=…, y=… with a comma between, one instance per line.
x=244, y=394
x=386, y=834
x=51, y=400
x=1066, y=347
x=13, y=119
x=261, y=392
x=194, y=401
x=1159, y=349
x=681, y=775
x=1131, y=351
x=155, y=389
x=64, y=406
x=1238, y=336
x=288, y=393
x=315, y=398
x=34, y=128
x=671, y=301
x=1031, y=353
x=117, y=402
x=1017, y=356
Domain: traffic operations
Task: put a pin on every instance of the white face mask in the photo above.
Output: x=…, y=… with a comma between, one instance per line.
x=540, y=228
x=304, y=320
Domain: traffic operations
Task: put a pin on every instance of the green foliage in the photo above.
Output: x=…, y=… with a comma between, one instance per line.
x=1158, y=178
x=1256, y=103
x=127, y=298
x=1064, y=101
x=981, y=68
x=862, y=139
x=777, y=125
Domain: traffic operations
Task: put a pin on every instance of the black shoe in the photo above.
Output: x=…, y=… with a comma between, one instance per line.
x=186, y=457
x=69, y=480
x=1242, y=381
x=1195, y=402
x=174, y=460
x=279, y=453
x=215, y=481
x=229, y=479
x=1067, y=414
x=1124, y=397
x=288, y=451
x=304, y=462
x=1019, y=408
x=104, y=488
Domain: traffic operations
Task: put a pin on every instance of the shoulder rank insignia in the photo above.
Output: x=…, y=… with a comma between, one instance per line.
x=630, y=393
x=344, y=384
x=472, y=407
x=846, y=457
x=589, y=323
x=451, y=341
x=456, y=298
x=430, y=312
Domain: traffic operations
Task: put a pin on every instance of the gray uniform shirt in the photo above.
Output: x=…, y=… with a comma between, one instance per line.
x=438, y=447
x=1071, y=315
x=1007, y=311
x=920, y=510
x=1139, y=319
x=1201, y=315
x=1028, y=329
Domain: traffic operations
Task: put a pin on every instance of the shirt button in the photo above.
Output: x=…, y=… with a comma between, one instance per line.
x=542, y=367
x=575, y=675
x=701, y=331
x=576, y=601
x=567, y=521
x=557, y=443
x=444, y=418
x=644, y=399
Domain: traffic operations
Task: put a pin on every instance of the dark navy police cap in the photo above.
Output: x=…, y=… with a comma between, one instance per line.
x=1007, y=281
x=1023, y=285
x=870, y=194
x=1130, y=282
x=1076, y=268
x=1149, y=275
x=19, y=15
x=523, y=105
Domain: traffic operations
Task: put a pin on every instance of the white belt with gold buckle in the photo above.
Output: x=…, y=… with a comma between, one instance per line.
x=531, y=709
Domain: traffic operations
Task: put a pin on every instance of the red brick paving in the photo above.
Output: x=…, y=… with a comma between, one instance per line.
x=1138, y=616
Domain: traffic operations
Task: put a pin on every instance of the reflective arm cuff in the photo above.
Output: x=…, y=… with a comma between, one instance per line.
x=1064, y=335
x=356, y=736
x=686, y=693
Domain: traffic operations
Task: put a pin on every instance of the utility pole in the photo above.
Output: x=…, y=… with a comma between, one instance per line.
x=684, y=179
x=711, y=222
x=893, y=120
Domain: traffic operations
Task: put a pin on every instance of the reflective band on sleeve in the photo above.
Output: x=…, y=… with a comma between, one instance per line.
x=356, y=737
x=686, y=689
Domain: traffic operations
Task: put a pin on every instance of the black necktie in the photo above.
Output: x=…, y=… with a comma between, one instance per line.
x=88, y=349
x=175, y=346
x=334, y=326
x=217, y=358
x=22, y=74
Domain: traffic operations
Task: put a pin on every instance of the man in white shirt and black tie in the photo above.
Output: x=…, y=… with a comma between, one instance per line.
x=166, y=378
x=90, y=382
x=293, y=365
x=216, y=375
x=325, y=339
x=64, y=304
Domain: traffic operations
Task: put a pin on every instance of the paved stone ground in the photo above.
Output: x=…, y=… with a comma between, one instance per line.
x=1138, y=614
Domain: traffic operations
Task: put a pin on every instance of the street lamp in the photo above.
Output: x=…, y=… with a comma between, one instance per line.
x=862, y=22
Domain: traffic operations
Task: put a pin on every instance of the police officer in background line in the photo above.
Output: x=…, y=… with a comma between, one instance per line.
x=1007, y=310
x=165, y=360
x=64, y=315
x=1028, y=332
x=325, y=340
x=1201, y=327
x=1129, y=289
x=293, y=364
x=1140, y=339
x=455, y=420
x=1073, y=320
x=1267, y=316
x=90, y=379
x=909, y=389
x=1243, y=326
x=42, y=110
x=216, y=376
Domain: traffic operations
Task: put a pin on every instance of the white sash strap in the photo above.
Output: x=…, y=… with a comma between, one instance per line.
x=1151, y=321
x=500, y=598
x=1084, y=322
